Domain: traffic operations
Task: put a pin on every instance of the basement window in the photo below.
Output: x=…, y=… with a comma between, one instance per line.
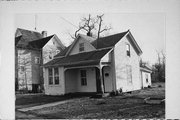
x=128, y=50
x=81, y=47
x=83, y=78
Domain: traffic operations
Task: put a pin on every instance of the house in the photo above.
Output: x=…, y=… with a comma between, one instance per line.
x=31, y=52
x=145, y=75
x=95, y=65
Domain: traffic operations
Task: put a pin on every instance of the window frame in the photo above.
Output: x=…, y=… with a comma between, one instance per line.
x=37, y=60
x=81, y=47
x=50, y=76
x=54, y=76
x=83, y=78
x=128, y=51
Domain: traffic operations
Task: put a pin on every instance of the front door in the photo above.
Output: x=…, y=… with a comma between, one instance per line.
x=107, y=79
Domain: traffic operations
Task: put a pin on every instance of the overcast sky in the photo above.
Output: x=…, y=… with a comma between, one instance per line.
x=148, y=29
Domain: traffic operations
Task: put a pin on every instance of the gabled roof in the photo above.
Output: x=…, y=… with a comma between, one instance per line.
x=39, y=43
x=85, y=58
x=28, y=34
x=104, y=42
x=108, y=41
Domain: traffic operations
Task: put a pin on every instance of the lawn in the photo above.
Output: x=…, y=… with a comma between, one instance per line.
x=124, y=106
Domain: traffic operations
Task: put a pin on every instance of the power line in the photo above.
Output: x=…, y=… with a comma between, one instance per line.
x=69, y=22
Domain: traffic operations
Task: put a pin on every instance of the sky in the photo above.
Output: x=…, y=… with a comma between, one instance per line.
x=148, y=29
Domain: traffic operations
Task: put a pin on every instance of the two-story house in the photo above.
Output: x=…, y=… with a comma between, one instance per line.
x=31, y=52
x=95, y=65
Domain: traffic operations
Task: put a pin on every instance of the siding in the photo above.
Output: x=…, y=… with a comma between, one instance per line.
x=121, y=63
x=87, y=46
x=91, y=81
x=71, y=78
x=54, y=89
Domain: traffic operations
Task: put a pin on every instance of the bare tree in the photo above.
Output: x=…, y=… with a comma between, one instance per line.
x=158, y=74
x=90, y=24
x=100, y=29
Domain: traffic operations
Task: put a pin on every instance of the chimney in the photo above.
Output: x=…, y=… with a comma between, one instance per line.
x=89, y=34
x=44, y=34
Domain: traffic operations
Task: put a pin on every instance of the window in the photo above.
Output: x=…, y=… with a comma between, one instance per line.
x=57, y=51
x=81, y=47
x=128, y=50
x=147, y=78
x=50, y=71
x=83, y=78
x=37, y=60
x=129, y=74
x=56, y=75
x=53, y=76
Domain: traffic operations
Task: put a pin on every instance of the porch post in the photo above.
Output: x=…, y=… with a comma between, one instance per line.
x=101, y=79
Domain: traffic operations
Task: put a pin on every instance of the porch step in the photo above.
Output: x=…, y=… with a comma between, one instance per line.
x=100, y=95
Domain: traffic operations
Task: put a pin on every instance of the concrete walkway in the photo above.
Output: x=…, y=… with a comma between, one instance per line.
x=44, y=105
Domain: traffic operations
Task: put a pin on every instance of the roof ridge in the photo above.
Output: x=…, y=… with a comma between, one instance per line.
x=28, y=30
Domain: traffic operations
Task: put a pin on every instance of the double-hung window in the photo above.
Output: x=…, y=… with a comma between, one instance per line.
x=53, y=76
x=50, y=71
x=83, y=78
x=128, y=50
x=56, y=75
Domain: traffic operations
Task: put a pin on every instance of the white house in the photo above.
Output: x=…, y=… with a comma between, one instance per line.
x=95, y=65
x=145, y=75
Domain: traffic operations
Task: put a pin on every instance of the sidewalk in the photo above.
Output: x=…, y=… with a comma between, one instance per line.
x=44, y=105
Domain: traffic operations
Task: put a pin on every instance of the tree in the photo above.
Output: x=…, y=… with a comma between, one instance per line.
x=158, y=71
x=90, y=24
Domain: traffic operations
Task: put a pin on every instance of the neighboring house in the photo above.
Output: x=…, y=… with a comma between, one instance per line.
x=145, y=75
x=95, y=65
x=31, y=53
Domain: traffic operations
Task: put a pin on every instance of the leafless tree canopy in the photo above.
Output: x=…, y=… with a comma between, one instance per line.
x=90, y=24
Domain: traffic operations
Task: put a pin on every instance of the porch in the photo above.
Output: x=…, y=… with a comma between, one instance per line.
x=89, y=79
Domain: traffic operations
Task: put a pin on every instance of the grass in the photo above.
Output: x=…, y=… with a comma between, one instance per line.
x=126, y=106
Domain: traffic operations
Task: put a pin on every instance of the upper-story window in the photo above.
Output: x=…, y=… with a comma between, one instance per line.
x=81, y=47
x=37, y=60
x=128, y=50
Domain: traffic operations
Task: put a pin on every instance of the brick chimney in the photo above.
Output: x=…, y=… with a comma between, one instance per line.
x=44, y=34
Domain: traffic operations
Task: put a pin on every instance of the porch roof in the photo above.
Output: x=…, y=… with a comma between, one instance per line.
x=85, y=58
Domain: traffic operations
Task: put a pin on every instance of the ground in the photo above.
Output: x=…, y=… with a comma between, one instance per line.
x=122, y=106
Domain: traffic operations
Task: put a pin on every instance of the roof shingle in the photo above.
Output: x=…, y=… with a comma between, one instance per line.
x=85, y=58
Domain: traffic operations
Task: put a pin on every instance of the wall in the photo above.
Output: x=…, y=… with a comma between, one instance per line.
x=91, y=81
x=24, y=69
x=54, y=89
x=35, y=67
x=71, y=78
x=49, y=50
x=87, y=46
x=121, y=62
